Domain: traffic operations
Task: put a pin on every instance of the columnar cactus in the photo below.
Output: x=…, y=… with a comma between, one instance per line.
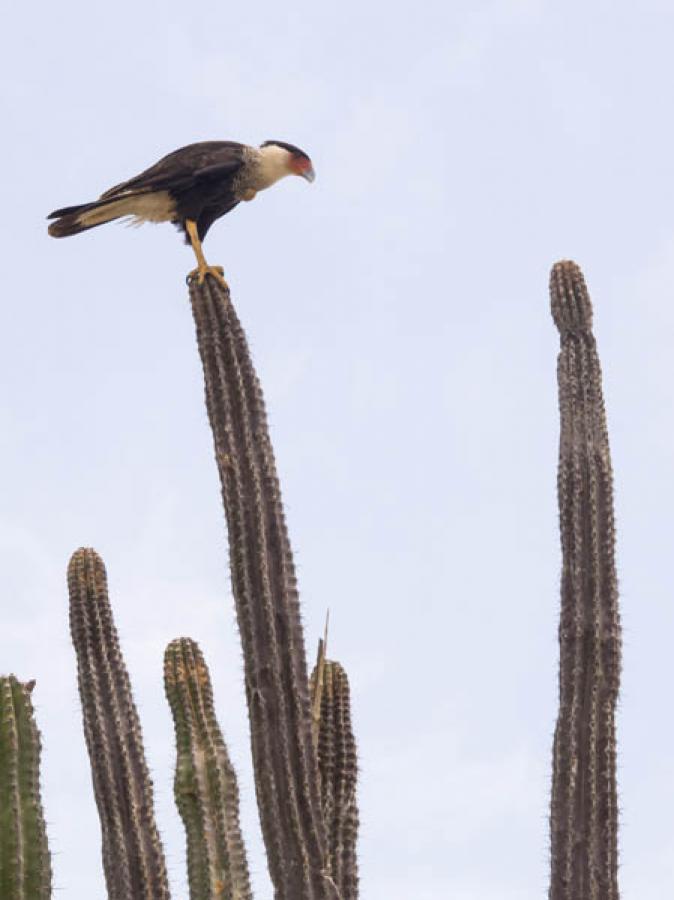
x=206, y=790
x=584, y=808
x=338, y=767
x=25, y=867
x=133, y=858
x=265, y=592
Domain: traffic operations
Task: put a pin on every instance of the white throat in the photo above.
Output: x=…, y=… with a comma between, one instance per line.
x=273, y=163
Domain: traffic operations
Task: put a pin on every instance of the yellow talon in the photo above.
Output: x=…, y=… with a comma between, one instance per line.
x=203, y=269
x=200, y=274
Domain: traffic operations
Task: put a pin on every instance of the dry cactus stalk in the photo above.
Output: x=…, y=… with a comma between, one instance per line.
x=265, y=592
x=338, y=766
x=584, y=808
x=206, y=790
x=133, y=858
x=316, y=683
x=25, y=866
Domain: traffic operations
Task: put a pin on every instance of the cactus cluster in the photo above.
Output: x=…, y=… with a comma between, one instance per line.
x=296, y=801
x=206, y=791
x=303, y=747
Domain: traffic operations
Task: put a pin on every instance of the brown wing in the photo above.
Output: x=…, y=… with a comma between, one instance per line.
x=182, y=168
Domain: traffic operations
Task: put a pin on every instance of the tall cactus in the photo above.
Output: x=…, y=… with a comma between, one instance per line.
x=338, y=767
x=25, y=867
x=133, y=858
x=265, y=592
x=584, y=807
x=206, y=790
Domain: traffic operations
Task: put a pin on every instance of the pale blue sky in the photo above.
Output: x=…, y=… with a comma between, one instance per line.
x=398, y=314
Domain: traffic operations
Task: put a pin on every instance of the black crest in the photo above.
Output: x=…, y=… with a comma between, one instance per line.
x=291, y=148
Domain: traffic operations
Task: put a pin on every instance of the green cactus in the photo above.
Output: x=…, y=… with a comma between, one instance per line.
x=265, y=592
x=206, y=790
x=25, y=866
x=133, y=858
x=584, y=807
x=338, y=765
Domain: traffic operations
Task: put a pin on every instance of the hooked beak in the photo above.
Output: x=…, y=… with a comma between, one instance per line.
x=309, y=174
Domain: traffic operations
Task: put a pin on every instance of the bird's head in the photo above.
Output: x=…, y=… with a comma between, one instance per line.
x=290, y=158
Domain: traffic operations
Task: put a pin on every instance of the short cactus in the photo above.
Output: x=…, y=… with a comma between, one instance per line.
x=338, y=767
x=265, y=592
x=584, y=808
x=133, y=858
x=206, y=790
x=25, y=867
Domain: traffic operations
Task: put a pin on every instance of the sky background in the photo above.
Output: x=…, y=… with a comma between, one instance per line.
x=398, y=315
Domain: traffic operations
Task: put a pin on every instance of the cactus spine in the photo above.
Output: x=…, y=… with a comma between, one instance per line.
x=584, y=807
x=133, y=858
x=265, y=592
x=25, y=867
x=206, y=790
x=339, y=771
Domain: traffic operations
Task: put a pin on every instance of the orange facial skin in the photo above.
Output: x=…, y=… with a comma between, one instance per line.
x=301, y=165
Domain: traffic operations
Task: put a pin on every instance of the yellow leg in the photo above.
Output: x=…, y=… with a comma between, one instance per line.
x=203, y=269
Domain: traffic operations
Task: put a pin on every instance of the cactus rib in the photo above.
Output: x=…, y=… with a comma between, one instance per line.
x=133, y=858
x=265, y=592
x=206, y=790
x=25, y=866
x=584, y=808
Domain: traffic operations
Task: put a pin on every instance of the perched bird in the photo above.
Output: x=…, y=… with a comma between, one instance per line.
x=191, y=187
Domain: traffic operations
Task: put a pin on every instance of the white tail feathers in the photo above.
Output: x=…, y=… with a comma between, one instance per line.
x=157, y=206
x=154, y=207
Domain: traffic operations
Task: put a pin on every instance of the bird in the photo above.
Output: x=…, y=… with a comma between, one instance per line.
x=191, y=188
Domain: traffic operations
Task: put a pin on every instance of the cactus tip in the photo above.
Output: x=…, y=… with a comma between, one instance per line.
x=81, y=556
x=569, y=298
